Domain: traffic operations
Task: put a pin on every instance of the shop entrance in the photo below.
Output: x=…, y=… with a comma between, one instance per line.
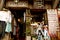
x=36, y=17
x=19, y=16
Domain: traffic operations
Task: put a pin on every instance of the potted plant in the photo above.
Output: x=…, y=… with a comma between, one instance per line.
x=28, y=34
x=34, y=37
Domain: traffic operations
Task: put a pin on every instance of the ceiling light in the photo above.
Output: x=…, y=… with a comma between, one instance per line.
x=16, y=1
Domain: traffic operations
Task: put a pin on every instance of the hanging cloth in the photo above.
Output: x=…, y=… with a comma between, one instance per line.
x=8, y=27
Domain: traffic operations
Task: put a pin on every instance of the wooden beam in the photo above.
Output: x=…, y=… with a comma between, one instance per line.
x=55, y=4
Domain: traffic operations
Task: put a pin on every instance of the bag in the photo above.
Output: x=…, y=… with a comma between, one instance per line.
x=40, y=33
x=8, y=27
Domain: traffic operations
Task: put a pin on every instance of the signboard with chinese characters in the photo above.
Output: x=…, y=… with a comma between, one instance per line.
x=19, y=4
x=38, y=4
x=52, y=20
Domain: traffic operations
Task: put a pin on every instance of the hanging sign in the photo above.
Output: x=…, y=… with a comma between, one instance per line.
x=52, y=20
x=19, y=4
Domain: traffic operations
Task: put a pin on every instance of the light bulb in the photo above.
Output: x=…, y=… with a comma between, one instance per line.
x=16, y=1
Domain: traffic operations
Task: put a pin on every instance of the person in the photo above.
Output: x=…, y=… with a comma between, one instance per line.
x=45, y=33
x=39, y=35
x=39, y=31
x=5, y=24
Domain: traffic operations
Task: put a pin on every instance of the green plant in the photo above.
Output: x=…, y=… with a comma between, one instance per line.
x=28, y=31
x=34, y=36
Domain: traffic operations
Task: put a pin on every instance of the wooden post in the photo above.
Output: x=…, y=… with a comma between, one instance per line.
x=1, y=4
x=55, y=4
